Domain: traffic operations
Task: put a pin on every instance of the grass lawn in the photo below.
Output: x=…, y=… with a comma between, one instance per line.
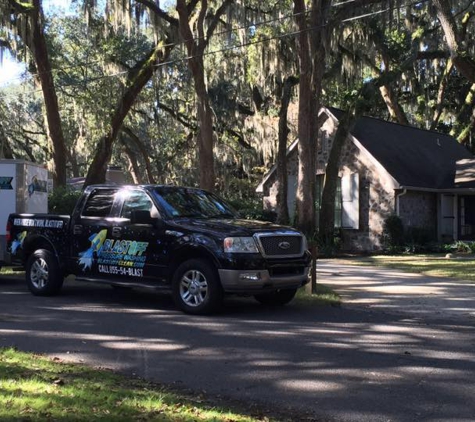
x=33, y=387
x=324, y=297
x=460, y=266
x=11, y=271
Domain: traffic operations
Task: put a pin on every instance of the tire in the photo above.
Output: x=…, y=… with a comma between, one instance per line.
x=196, y=288
x=277, y=298
x=43, y=275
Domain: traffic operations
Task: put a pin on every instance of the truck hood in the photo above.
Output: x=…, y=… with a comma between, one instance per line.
x=230, y=227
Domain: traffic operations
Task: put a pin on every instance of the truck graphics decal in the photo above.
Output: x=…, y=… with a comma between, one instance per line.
x=30, y=222
x=96, y=244
x=118, y=257
x=18, y=242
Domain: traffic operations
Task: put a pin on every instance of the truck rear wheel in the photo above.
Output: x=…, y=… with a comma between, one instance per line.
x=279, y=297
x=196, y=288
x=43, y=275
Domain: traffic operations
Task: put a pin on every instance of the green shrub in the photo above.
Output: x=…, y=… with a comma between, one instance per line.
x=63, y=200
x=420, y=240
x=393, y=233
x=329, y=247
x=462, y=247
x=252, y=209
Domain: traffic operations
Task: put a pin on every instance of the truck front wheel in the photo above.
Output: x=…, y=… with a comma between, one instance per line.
x=43, y=275
x=196, y=288
x=279, y=297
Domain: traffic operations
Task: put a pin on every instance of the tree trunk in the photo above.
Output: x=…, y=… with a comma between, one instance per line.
x=55, y=132
x=394, y=108
x=138, y=79
x=460, y=58
x=205, y=132
x=5, y=149
x=133, y=164
x=327, y=210
x=195, y=47
x=307, y=112
x=195, y=51
x=143, y=151
x=460, y=129
x=72, y=158
x=441, y=94
x=282, y=177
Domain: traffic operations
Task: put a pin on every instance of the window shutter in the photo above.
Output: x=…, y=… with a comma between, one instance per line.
x=291, y=194
x=350, y=204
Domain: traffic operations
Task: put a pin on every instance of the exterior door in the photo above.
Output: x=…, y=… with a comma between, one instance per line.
x=466, y=220
x=137, y=250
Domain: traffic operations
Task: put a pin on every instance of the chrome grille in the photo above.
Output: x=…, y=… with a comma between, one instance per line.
x=281, y=245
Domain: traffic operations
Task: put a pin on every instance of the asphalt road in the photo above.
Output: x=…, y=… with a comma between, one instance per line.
x=353, y=363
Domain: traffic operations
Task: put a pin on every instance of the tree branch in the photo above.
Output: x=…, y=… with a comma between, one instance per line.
x=159, y=12
x=216, y=18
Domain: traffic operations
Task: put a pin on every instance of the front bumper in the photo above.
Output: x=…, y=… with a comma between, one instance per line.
x=255, y=281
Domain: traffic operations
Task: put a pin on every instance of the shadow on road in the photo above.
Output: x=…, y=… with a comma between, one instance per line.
x=346, y=363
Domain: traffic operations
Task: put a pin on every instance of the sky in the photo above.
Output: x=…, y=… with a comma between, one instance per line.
x=10, y=69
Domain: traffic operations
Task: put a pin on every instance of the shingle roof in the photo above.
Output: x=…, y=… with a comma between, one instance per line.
x=414, y=157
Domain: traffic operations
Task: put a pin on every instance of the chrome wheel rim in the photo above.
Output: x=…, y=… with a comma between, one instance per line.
x=193, y=288
x=39, y=273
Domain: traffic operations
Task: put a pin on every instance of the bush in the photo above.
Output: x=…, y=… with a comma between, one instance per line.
x=63, y=200
x=420, y=240
x=251, y=209
x=393, y=233
x=328, y=247
x=463, y=247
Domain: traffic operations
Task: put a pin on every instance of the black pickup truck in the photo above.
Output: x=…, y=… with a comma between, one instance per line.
x=184, y=240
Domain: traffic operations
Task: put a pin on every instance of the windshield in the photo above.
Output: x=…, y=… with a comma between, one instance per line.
x=188, y=202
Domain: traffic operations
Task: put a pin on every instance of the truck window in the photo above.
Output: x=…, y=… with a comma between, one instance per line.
x=99, y=203
x=136, y=201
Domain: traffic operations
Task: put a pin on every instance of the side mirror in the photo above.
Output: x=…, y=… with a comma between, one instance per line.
x=143, y=217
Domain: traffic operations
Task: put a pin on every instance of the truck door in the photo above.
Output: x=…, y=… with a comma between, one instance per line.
x=138, y=246
x=91, y=229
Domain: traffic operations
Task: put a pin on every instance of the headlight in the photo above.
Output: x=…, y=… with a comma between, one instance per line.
x=240, y=245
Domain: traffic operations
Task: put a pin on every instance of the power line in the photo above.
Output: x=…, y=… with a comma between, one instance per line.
x=234, y=47
x=176, y=44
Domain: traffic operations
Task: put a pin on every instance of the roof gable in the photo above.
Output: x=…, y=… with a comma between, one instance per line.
x=414, y=157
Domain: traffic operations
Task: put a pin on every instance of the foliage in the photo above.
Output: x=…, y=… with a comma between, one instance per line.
x=47, y=390
x=403, y=50
x=63, y=200
x=393, y=233
x=462, y=247
x=251, y=209
x=325, y=296
x=420, y=239
x=328, y=248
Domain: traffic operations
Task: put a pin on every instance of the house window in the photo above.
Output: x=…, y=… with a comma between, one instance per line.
x=318, y=199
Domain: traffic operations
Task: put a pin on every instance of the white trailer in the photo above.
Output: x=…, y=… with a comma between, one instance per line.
x=23, y=189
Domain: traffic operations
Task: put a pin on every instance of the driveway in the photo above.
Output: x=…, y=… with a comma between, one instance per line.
x=360, y=362
x=390, y=290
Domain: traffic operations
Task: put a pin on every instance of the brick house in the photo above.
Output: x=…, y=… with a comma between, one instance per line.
x=425, y=177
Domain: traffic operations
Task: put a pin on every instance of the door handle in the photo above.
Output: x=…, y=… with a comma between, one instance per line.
x=116, y=231
x=77, y=229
